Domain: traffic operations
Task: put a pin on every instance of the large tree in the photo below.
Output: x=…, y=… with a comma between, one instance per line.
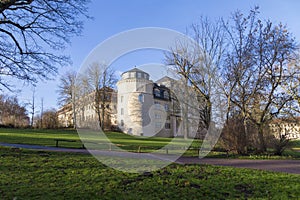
x=198, y=63
x=32, y=35
x=257, y=64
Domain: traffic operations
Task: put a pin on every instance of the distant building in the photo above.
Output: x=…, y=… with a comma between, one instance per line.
x=65, y=116
x=85, y=111
x=290, y=128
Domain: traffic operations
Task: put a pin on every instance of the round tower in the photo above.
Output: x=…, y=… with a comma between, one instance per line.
x=135, y=96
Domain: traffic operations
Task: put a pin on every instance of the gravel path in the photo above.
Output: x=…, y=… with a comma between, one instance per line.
x=287, y=166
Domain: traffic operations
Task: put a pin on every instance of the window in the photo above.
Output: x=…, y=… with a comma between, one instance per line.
x=139, y=75
x=156, y=92
x=122, y=98
x=141, y=98
x=122, y=111
x=167, y=126
x=166, y=107
x=166, y=95
x=157, y=116
x=122, y=122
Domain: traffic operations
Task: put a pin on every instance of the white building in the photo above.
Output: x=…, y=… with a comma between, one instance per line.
x=290, y=128
x=145, y=108
x=139, y=107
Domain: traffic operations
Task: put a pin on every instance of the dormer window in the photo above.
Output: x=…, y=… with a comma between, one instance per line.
x=156, y=92
x=166, y=95
x=139, y=75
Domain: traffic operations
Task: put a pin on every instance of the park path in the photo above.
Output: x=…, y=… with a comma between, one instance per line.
x=287, y=166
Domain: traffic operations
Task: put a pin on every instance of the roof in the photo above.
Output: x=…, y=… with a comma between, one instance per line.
x=165, y=79
x=135, y=70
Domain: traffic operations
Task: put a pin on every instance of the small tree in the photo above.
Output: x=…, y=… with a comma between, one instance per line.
x=99, y=81
x=67, y=92
x=48, y=120
x=12, y=113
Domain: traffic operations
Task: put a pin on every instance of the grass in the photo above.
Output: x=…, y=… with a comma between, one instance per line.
x=127, y=142
x=47, y=138
x=295, y=144
x=48, y=175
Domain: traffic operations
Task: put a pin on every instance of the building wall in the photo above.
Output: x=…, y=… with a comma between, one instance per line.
x=134, y=99
x=140, y=112
x=290, y=129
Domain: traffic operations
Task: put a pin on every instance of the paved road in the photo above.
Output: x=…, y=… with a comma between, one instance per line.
x=288, y=166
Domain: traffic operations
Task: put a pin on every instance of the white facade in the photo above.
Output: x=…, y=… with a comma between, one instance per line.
x=141, y=111
x=288, y=128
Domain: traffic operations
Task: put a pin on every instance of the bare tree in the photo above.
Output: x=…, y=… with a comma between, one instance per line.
x=198, y=63
x=48, y=120
x=32, y=106
x=67, y=92
x=256, y=66
x=12, y=113
x=99, y=80
x=293, y=86
x=42, y=112
x=32, y=35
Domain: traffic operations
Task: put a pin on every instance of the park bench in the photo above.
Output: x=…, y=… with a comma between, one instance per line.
x=65, y=140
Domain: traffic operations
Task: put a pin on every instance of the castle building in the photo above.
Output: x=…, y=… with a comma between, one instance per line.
x=138, y=107
x=145, y=108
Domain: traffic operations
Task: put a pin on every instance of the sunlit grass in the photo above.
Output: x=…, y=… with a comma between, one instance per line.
x=125, y=142
x=45, y=175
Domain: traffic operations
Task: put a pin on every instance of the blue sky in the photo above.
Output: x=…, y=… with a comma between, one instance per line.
x=115, y=16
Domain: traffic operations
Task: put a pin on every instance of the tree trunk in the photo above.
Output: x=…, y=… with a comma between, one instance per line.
x=245, y=138
x=99, y=119
x=103, y=116
x=262, y=144
x=74, y=114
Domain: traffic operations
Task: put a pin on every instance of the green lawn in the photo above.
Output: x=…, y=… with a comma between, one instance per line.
x=47, y=138
x=49, y=175
x=130, y=143
x=29, y=174
x=38, y=137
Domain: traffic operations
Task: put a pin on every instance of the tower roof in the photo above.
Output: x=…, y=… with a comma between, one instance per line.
x=135, y=73
x=134, y=70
